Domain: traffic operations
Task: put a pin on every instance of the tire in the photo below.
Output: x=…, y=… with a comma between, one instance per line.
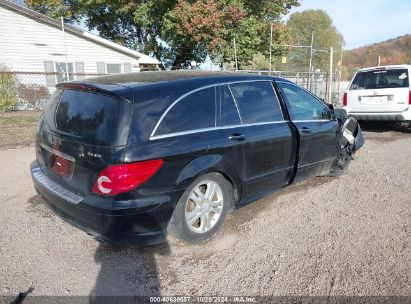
x=343, y=160
x=347, y=142
x=194, y=220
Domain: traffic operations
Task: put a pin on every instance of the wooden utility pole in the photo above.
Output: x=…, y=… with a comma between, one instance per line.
x=65, y=49
x=235, y=56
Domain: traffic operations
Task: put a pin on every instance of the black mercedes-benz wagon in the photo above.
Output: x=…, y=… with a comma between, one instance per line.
x=128, y=158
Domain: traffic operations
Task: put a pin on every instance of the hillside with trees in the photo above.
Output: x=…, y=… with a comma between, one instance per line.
x=392, y=51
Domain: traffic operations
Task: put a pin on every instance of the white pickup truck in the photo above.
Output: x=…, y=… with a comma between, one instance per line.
x=380, y=93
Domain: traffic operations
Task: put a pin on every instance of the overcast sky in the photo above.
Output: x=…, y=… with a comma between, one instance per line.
x=365, y=21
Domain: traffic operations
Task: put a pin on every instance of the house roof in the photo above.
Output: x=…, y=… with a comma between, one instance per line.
x=142, y=58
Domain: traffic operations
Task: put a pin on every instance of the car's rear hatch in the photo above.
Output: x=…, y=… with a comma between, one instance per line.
x=82, y=131
x=379, y=90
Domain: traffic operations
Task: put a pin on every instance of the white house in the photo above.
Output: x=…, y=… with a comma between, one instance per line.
x=33, y=42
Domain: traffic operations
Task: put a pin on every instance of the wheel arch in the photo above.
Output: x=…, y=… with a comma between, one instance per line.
x=210, y=164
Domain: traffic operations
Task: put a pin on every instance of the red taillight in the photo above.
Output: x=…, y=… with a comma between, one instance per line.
x=409, y=98
x=345, y=99
x=76, y=86
x=122, y=178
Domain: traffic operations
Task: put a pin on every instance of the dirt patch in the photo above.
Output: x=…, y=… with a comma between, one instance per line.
x=18, y=128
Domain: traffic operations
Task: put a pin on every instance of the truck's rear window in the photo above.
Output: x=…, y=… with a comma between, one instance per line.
x=92, y=118
x=380, y=79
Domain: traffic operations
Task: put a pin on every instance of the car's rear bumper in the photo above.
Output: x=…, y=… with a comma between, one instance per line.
x=381, y=116
x=126, y=222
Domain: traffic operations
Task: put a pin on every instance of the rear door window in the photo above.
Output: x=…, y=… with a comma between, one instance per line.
x=302, y=105
x=195, y=111
x=257, y=102
x=89, y=117
x=229, y=112
x=380, y=79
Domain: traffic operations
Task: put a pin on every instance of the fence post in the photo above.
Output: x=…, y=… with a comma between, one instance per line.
x=340, y=73
x=311, y=62
x=330, y=79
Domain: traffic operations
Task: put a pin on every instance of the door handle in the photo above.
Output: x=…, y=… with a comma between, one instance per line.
x=305, y=130
x=236, y=137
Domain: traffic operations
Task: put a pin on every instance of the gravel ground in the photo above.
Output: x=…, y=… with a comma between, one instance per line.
x=328, y=236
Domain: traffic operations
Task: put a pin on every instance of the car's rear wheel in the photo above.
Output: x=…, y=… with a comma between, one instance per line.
x=201, y=209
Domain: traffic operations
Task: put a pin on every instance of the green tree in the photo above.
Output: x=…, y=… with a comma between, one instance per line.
x=8, y=89
x=176, y=31
x=258, y=62
x=326, y=35
x=252, y=35
x=55, y=8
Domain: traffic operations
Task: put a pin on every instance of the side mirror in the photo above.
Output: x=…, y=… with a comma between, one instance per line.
x=331, y=107
x=341, y=114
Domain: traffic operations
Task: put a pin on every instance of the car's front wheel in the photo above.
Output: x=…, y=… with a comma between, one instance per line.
x=348, y=134
x=201, y=209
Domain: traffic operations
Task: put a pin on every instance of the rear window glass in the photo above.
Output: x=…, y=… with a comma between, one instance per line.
x=381, y=79
x=90, y=117
x=257, y=102
x=193, y=112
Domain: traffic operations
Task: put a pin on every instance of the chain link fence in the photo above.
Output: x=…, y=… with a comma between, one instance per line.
x=316, y=83
x=25, y=90
x=30, y=90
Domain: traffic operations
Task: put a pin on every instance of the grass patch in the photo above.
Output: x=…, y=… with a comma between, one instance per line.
x=18, y=120
x=18, y=128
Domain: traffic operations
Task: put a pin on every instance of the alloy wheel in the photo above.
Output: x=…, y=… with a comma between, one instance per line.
x=204, y=206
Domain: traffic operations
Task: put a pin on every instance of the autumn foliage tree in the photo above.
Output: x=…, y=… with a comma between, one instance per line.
x=177, y=31
x=194, y=30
